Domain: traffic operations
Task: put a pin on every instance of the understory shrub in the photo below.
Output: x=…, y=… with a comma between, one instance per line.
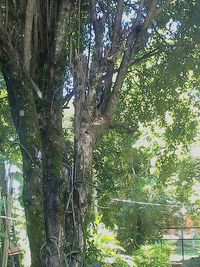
x=153, y=256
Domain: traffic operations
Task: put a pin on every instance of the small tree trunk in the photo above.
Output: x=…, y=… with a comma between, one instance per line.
x=80, y=188
x=8, y=213
x=80, y=195
x=79, y=200
x=3, y=186
x=33, y=204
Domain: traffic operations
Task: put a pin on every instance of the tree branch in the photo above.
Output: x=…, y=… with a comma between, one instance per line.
x=96, y=69
x=93, y=10
x=19, y=89
x=135, y=42
x=1, y=19
x=145, y=56
x=117, y=27
x=150, y=16
x=139, y=12
x=67, y=98
x=117, y=86
x=98, y=26
x=61, y=27
x=28, y=33
x=154, y=12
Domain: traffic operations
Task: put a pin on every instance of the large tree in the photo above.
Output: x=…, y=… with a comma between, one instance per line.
x=91, y=44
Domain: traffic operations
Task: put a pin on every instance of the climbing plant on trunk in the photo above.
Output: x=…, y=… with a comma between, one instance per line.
x=43, y=43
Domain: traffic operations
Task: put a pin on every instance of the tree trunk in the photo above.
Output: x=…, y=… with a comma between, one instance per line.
x=41, y=142
x=33, y=204
x=80, y=187
x=8, y=213
x=3, y=196
x=25, y=118
x=54, y=182
x=79, y=197
x=37, y=115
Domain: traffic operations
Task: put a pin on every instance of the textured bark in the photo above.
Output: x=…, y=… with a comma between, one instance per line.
x=25, y=117
x=80, y=196
x=87, y=128
x=3, y=196
x=42, y=150
x=54, y=183
x=8, y=213
x=33, y=202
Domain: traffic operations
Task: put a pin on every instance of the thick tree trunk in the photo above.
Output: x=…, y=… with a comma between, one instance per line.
x=41, y=142
x=54, y=182
x=25, y=119
x=37, y=115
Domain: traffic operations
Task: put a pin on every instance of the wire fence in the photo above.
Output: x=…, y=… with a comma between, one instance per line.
x=185, y=240
x=185, y=237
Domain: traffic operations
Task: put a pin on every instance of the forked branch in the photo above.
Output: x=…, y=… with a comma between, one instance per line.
x=135, y=42
x=154, y=11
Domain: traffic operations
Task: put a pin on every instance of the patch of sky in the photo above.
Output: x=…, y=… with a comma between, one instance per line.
x=172, y=28
x=128, y=18
x=68, y=84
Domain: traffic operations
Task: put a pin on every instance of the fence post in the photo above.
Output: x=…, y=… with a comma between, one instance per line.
x=182, y=211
